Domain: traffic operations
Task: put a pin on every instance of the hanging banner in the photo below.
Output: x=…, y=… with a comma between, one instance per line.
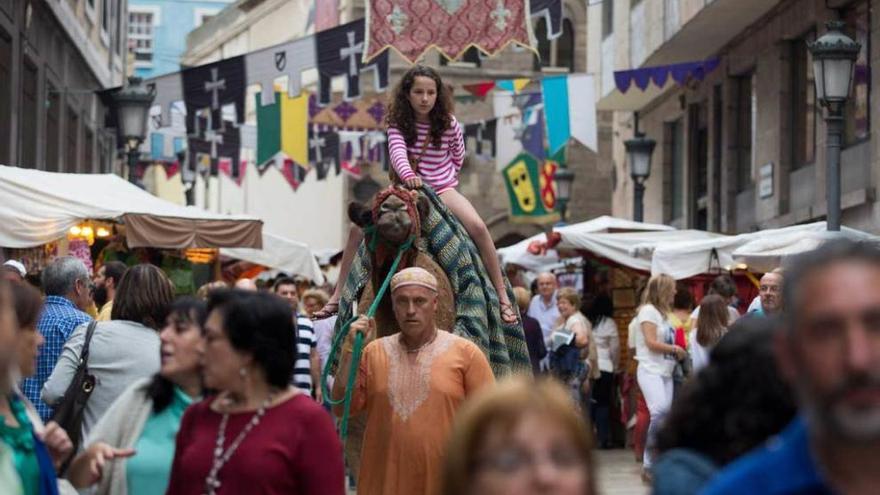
x=513, y=85
x=522, y=178
x=212, y=87
x=213, y=144
x=567, y=116
x=290, y=59
x=340, y=53
x=479, y=90
x=323, y=147
x=282, y=129
x=411, y=27
x=551, y=10
x=546, y=182
x=367, y=113
x=659, y=74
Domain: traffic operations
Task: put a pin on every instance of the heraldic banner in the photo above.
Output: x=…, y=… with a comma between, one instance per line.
x=413, y=26
x=531, y=190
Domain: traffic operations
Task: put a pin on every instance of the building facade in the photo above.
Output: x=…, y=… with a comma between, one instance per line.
x=249, y=25
x=55, y=56
x=157, y=31
x=744, y=148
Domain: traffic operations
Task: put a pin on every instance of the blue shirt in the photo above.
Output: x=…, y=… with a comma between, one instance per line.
x=58, y=320
x=784, y=466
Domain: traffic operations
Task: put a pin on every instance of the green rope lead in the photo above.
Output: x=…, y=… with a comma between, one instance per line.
x=357, y=348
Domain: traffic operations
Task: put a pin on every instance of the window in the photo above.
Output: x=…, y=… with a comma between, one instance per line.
x=607, y=18
x=5, y=97
x=557, y=53
x=471, y=57
x=53, y=127
x=745, y=115
x=72, y=132
x=804, y=110
x=857, y=126
x=141, y=29
x=673, y=137
x=29, y=90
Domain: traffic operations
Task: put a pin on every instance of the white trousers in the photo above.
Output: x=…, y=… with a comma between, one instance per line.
x=658, y=396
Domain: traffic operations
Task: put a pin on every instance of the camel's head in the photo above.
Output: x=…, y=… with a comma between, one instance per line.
x=396, y=213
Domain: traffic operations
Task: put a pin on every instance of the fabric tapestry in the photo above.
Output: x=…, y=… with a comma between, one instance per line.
x=213, y=86
x=340, y=53
x=444, y=238
x=265, y=66
x=413, y=26
x=551, y=10
x=282, y=129
x=323, y=146
x=523, y=180
x=215, y=143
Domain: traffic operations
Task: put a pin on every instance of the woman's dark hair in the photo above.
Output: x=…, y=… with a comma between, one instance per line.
x=712, y=320
x=736, y=402
x=28, y=304
x=400, y=112
x=683, y=298
x=188, y=310
x=144, y=296
x=601, y=308
x=724, y=286
x=261, y=324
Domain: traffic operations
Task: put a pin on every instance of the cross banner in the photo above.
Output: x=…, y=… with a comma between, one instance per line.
x=212, y=87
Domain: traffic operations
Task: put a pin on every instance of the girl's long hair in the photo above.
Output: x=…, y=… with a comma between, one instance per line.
x=400, y=113
x=712, y=320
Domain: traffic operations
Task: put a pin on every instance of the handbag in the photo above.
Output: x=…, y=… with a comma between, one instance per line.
x=69, y=412
x=413, y=162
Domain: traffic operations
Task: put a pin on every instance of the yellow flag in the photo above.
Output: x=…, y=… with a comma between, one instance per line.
x=294, y=128
x=519, y=84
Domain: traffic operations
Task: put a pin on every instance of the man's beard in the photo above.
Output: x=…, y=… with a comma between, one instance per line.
x=834, y=416
x=100, y=296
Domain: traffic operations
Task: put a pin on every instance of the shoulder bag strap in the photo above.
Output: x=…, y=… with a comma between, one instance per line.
x=84, y=353
x=414, y=162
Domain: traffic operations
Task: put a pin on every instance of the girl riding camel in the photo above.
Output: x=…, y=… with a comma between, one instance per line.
x=426, y=146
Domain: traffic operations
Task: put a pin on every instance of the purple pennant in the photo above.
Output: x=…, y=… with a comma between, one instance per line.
x=622, y=79
x=377, y=111
x=313, y=105
x=345, y=110
x=680, y=73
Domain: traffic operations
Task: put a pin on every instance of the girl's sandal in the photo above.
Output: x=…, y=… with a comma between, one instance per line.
x=508, y=315
x=327, y=311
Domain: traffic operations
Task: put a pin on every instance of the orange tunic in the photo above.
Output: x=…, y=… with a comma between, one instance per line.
x=410, y=400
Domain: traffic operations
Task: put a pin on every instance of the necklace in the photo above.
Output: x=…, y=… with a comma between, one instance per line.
x=212, y=482
x=419, y=348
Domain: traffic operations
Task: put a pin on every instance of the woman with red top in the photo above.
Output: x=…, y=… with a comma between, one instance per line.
x=258, y=435
x=422, y=129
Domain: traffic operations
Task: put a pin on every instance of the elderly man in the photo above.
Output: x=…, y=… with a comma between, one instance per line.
x=543, y=306
x=410, y=386
x=66, y=283
x=769, y=294
x=106, y=282
x=829, y=350
x=13, y=271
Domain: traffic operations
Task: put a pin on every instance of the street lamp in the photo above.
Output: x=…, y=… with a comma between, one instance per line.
x=834, y=57
x=564, y=179
x=133, y=104
x=638, y=152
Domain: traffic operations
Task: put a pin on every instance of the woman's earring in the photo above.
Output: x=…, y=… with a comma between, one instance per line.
x=242, y=372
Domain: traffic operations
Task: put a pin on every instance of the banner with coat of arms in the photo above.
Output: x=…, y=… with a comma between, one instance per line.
x=531, y=189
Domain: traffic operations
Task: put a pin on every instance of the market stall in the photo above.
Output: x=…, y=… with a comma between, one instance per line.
x=281, y=254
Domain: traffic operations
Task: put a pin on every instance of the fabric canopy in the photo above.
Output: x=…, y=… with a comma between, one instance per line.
x=760, y=251
x=38, y=207
x=279, y=253
x=519, y=254
x=626, y=248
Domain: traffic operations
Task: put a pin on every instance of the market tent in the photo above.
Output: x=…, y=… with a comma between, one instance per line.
x=628, y=248
x=279, y=253
x=38, y=207
x=765, y=248
x=766, y=253
x=519, y=254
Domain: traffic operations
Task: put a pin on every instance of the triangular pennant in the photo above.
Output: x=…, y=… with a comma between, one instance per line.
x=293, y=173
x=480, y=90
x=352, y=168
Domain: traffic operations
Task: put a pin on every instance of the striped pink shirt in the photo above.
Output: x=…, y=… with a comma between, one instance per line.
x=438, y=167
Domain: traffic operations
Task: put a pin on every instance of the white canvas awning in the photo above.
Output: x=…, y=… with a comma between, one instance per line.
x=279, y=253
x=518, y=253
x=38, y=207
x=631, y=249
x=759, y=251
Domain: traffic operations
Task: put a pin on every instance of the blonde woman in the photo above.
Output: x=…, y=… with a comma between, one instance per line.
x=574, y=359
x=656, y=354
x=521, y=437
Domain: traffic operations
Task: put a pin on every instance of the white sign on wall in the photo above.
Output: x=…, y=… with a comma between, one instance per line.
x=765, y=181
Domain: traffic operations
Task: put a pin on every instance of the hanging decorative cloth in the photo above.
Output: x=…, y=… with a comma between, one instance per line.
x=480, y=90
x=340, y=53
x=411, y=27
x=169, y=90
x=323, y=146
x=570, y=117
x=225, y=167
x=522, y=179
x=290, y=59
x=513, y=85
x=551, y=10
x=214, y=144
x=294, y=174
x=659, y=74
x=213, y=86
x=282, y=128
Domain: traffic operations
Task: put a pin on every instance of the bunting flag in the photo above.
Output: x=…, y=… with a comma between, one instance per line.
x=532, y=137
x=551, y=10
x=213, y=86
x=366, y=113
x=340, y=53
x=546, y=180
x=323, y=147
x=224, y=166
x=376, y=149
x=293, y=173
x=513, y=85
x=290, y=59
x=570, y=117
x=659, y=74
x=169, y=90
x=480, y=90
x=212, y=144
x=482, y=135
x=452, y=26
x=282, y=129
x=515, y=121
x=522, y=178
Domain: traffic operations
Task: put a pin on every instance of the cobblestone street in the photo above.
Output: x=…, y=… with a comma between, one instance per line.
x=618, y=473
